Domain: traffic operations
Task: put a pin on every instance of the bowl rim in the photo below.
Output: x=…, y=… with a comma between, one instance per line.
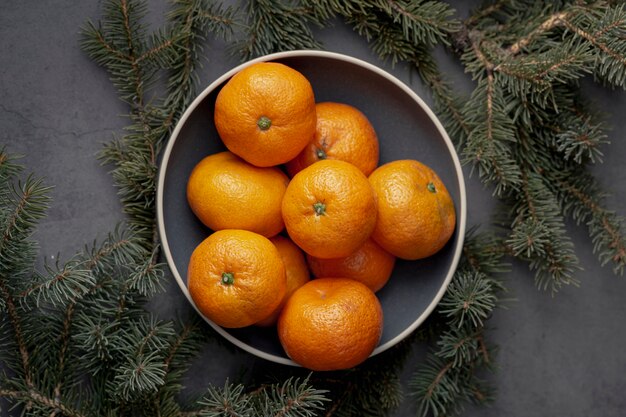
x=462, y=212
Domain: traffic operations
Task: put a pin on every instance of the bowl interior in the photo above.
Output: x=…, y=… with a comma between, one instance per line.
x=405, y=131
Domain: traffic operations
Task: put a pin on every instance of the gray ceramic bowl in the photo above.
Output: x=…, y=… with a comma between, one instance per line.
x=406, y=128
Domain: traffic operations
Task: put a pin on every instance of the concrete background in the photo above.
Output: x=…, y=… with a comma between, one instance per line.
x=557, y=356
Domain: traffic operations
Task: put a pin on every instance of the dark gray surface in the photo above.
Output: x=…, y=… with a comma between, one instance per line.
x=560, y=356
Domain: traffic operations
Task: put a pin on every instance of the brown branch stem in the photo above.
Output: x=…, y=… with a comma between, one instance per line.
x=65, y=338
x=594, y=207
x=58, y=277
x=398, y=8
x=36, y=397
x=484, y=13
x=17, y=328
x=347, y=391
x=550, y=23
x=437, y=380
x=591, y=39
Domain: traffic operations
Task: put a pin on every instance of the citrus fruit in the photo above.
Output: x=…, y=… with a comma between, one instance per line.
x=225, y=192
x=236, y=278
x=266, y=113
x=329, y=209
x=343, y=133
x=330, y=324
x=416, y=215
x=296, y=272
x=370, y=265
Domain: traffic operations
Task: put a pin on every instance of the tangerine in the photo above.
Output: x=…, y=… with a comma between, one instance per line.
x=343, y=133
x=329, y=209
x=330, y=324
x=225, y=192
x=266, y=113
x=236, y=278
x=296, y=272
x=416, y=215
x=370, y=265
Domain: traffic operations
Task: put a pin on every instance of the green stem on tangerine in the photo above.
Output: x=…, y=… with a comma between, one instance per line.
x=320, y=153
x=228, y=278
x=431, y=187
x=264, y=123
x=320, y=208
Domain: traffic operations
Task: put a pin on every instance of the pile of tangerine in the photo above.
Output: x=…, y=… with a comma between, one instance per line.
x=346, y=218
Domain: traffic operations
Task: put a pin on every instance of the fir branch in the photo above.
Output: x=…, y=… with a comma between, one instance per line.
x=409, y=42
x=147, y=277
x=538, y=235
x=15, y=320
x=470, y=297
x=449, y=379
x=43, y=403
x=448, y=105
x=19, y=214
x=224, y=402
x=422, y=22
x=582, y=200
x=533, y=76
x=276, y=26
x=134, y=63
x=580, y=138
x=550, y=23
x=483, y=253
x=437, y=386
x=485, y=12
x=459, y=346
x=372, y=388
x=292, y=398
x=603, y=29
x=194, y=19
x=29, y=205
x=492, y=130
x=8, y=170
x=60, y=286
x=63, y=353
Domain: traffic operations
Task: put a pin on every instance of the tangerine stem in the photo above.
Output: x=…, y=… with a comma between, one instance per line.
x=320, y=153
x=320, y=208
x=264, y=123
x=228, y=278
x=431, y=187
